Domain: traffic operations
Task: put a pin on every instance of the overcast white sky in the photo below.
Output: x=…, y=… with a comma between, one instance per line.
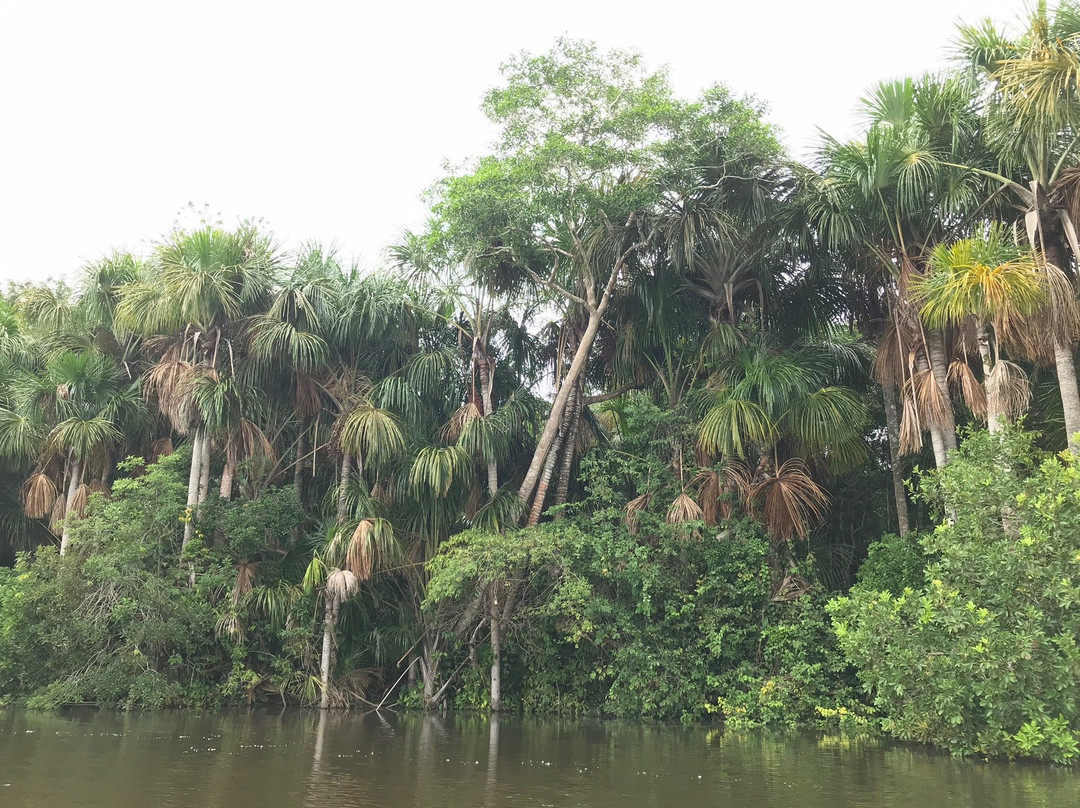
x=328, y=119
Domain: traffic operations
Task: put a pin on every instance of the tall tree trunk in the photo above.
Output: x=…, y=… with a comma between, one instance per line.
x=193, y=489
x=562, y=492
x=73, y=487
x=487, y=381
x=545, y=479
x=204, y=470
x=993, y=403
x=329, y=618
x=343, y=487
x=496, y=649
x=1056, y=254
x=1065, y=363
x=939, y=367
x=298, y=466
x=892, y=428
x=558, y=406
x=429, y=670
x=228, y=475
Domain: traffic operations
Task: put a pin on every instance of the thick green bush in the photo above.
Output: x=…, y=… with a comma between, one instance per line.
x=983, y=656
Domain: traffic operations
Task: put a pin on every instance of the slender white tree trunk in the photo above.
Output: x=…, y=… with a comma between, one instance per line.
x=892, y=427
x=329, y=618
x=487, y=381
x=1065, y=363
x=939, y=367
x=228, y=475
x=73, y=486
x=993, y=404
x=343, y=487
x=193, y=488
x=204, y=470
x=496, y=650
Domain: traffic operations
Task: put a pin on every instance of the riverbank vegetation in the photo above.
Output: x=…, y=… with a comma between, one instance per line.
x=649, y=420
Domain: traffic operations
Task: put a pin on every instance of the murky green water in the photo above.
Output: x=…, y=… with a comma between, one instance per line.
x=244, y=760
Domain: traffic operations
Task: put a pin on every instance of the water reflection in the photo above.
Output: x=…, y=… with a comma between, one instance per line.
x=298, y=758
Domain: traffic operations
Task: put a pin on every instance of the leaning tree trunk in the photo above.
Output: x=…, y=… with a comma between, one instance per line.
x=496, y=649
x=193, y=488
x=939, y=367
x=562, y=492
x=73, y=487
x=892, y=428
x=343, y=487
x=577, y=366
x=545, y=479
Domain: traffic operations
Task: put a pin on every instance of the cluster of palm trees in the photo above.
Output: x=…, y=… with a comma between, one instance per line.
x=929, y=262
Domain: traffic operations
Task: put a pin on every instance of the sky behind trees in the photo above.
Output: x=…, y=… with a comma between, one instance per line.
x=328, y=119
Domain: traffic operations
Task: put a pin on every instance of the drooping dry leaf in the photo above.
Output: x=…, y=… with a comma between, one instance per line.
x=39, y=495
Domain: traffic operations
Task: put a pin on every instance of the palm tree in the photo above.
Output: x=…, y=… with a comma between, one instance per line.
x=337, y=572
x=990, y=281
x=1031, y=82
x=197, y=296
x=772, y=417
x=76, y=409
x=892, y=196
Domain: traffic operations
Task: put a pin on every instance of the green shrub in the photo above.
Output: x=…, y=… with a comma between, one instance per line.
x=983, y=655
x=893, y=563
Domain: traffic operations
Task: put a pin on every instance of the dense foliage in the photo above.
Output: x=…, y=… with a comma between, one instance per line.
x=604, y=437
x=981, y=655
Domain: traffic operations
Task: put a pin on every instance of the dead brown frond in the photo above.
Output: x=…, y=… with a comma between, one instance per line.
x=59, y=511
x=99, y=487
x=245, y=577
x=1010, y=387
x=63, y=391
x=911, y=439
x=168, y=383
x=684, y=510
x=78, y=502
x=792, y=501
x=738, y=480
x=162, y=447
x=452, y=429
x=382, y=492
x=708, y=483
x=702, y=458
x=307, y=400
x=360, y=556
x=962, y=378
x=341, y=585
x=633, y=510
x=933, y=405
x=230, y=625
x=793, y=587
x=475, y=500
x=254, y=442
x=39, y=495
x=1059, y=318
x=890, y=358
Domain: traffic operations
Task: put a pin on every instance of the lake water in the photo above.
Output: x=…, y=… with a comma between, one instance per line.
x=300, y=758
